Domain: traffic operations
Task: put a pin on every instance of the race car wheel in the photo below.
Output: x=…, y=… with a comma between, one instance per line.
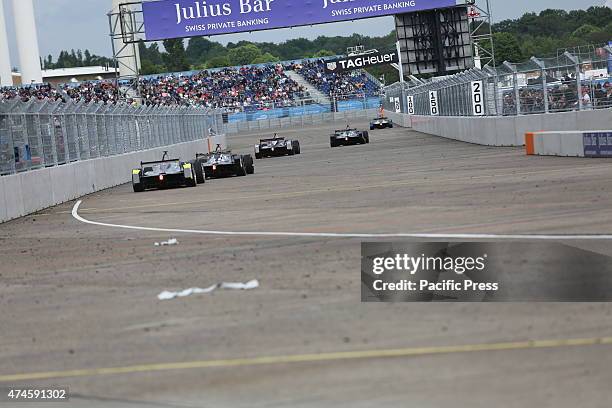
x=247, y=159
x=257, y=156
x=333, y=143
x=192, y=182
x=199, y=172
x=241, y=169
x=138, y=188
x=367, y=137
x=297, y=148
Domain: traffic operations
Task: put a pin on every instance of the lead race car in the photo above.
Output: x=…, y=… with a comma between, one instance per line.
x=277, y=146
x=381, y=122
x=348, y=137
x=222, y=163
x=165, y=173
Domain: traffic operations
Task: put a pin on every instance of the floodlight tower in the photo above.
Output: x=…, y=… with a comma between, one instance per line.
x=6, y=76
x=479, y=13
x=27, y=42
x=126, y=28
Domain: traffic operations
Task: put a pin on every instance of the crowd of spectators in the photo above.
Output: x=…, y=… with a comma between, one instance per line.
x=340, y=86
x=101, y=91
x=234, y=89
x=26, y=94
x=247, y=88
x=562, y=97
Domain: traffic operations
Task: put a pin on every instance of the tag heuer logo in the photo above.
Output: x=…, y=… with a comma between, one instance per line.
x=332, y=66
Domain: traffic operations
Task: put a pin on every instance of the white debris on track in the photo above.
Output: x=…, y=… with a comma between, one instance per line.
x=170, y=242
x=199, y=291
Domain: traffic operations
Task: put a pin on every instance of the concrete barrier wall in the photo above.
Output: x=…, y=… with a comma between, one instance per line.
x=570, y=144
x=26, y=193
x=506, y=130
x=399, y=119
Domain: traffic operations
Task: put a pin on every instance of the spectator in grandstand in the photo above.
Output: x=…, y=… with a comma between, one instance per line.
x=605, y=100
x=236, y=90
x=586, y=99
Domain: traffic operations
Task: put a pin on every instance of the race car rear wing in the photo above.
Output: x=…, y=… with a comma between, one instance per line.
x=160, y=161
x=198, y=155
x=271, y=140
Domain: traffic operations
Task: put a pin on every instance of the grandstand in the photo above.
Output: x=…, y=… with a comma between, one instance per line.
x=234, y=89
x=340, y=86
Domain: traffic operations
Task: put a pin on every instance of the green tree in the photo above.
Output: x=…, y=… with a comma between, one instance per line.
x=507, y=47
x=244, y=54
x=585, y=31
x=323, y=53
x=267, y=57
x=148, y=68
x=175, y=57
x=200, y=49
x=218, y=62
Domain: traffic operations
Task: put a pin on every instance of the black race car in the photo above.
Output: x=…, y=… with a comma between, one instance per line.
x=277, y=146
x=349, y=136
x=222, y=163
x=165, y=173
x=381, y=123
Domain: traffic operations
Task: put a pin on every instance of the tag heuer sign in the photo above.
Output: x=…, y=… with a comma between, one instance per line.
x=361, y=61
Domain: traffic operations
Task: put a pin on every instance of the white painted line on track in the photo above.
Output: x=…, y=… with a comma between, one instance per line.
x=75, y=214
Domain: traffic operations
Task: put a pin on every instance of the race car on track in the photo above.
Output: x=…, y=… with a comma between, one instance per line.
x=277, y=146
x=349, y=136
x=222, y=163
x=381, y=123
x=165, y=173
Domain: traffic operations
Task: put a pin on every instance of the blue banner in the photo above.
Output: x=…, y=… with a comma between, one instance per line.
x=189, y=18
x=597, y=144
x=610, y=60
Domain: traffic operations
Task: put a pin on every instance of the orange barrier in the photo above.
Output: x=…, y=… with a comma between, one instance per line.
x=529, y=145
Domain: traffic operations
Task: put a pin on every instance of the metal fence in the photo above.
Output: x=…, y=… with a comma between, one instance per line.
x=39, y=134
x=541, y=85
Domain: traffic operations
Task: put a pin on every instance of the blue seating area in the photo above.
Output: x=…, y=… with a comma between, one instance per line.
x=341, y=86
x=278, y=113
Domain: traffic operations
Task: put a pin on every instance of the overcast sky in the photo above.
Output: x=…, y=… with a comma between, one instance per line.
x=67, y=24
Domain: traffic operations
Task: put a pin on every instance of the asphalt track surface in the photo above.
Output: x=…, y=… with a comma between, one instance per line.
x=79, y=305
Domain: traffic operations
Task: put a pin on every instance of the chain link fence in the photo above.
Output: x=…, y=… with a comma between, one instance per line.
x=541, y=85
x=39, y=134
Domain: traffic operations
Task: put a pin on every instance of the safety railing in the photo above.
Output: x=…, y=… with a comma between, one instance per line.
x=47, y=133
x=541, y=85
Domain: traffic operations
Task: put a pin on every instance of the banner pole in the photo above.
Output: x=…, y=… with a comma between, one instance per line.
x=399, y=59
x=401, y=74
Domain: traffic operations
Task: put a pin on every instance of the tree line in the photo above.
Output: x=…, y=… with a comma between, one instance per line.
x=75, y=59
